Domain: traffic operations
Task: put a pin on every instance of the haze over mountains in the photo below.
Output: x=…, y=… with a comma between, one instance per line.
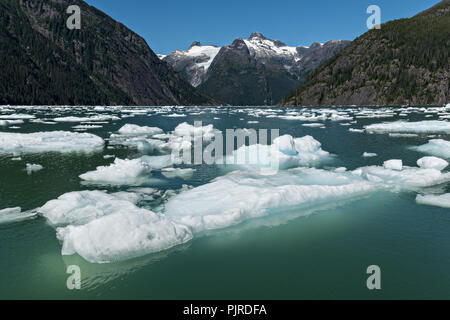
x=253, y=71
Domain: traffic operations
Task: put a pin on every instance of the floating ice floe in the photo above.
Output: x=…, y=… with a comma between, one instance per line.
x=5, y=123
x=87, y=119
x=434, y=200
x=432, y=163
x=31, y=168
x=128, y=172
x=436, y=147
x=15, y=214
x=369, y=155
x=242, y=195
x=172, y=173
x=55, y=141
x=121, y=172
x=421, y=127
x=16, y=117
x=285, y=152
x=406, y=178
x=132, y=129
x=103, y=228
x=393, y=165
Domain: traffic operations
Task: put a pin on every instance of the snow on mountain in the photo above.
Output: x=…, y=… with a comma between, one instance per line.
x=261, y=47
x=194, y=62
x=299, y=61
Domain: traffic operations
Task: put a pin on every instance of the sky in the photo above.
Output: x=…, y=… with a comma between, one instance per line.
x=175, y=24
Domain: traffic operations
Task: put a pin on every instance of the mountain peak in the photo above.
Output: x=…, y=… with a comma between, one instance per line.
x=195, y=44
x=257, y=35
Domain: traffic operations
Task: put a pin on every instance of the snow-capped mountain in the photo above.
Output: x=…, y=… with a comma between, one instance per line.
x=194, y=62
x=272, y=66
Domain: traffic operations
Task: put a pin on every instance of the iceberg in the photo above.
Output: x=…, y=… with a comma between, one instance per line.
x=5, y=123
x=421, y=127
x=432, y=163
x=132, y=129
x=103, y=228
x=122, y=236
x=369, y=155
x=285, y=152
x=172, y=173
x=436, y=147
x=55, y=141
x=243, y=195
x=10, y=215
x=121, y=172
x=30, y=168
x=87, y=119
x=434, y=200
x=393, y=165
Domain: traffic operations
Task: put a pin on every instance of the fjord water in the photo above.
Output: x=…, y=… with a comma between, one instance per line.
x=321, y=253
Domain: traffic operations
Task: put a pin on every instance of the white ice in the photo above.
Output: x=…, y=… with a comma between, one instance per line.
x=434, y=200
x=432, y=163
x=436, y=147
x=31, y=168
x=423, y=127
x=56, y=141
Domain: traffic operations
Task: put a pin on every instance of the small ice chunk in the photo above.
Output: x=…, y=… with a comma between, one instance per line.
x=393, y=165
x=434, y=200
x=30, y=168
x=432, y=163
x=15, y=214
x=172, y=173
x=369, y=155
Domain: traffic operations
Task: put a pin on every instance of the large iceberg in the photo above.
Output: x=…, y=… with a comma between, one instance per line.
x=56, y=141
x=242, y=195
x=103, y=228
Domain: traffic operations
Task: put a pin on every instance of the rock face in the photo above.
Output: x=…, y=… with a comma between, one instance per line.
x=406, y=62
x=253, y=71
x=193, y=63
x=43, y=62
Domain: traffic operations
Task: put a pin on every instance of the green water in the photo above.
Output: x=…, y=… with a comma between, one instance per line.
x=321, y=254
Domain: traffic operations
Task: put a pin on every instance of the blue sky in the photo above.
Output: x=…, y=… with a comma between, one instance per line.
x=175, y=24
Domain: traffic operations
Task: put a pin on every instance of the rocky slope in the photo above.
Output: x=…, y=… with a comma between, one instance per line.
x=253, y=71
x=405, y=62
x=43, y=62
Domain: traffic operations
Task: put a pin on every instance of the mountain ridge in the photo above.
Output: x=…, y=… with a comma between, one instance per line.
x=43, y=62
x=251, y=71
x=406, y=62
